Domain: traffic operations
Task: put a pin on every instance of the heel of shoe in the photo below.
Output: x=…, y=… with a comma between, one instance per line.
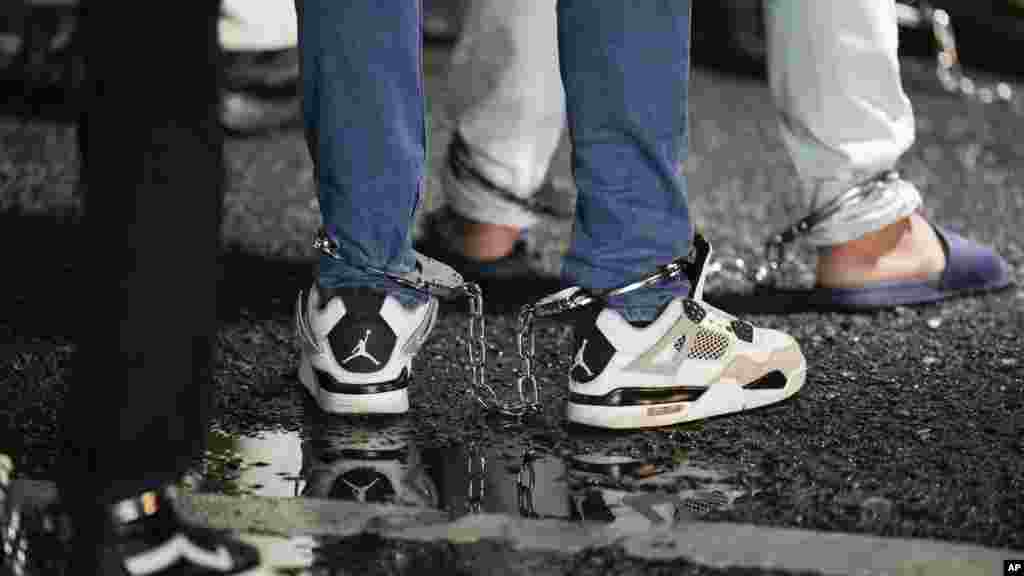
x=389, y=402
x=378, y=398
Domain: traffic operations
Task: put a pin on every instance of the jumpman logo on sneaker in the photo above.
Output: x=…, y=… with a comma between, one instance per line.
x=579, y=361
x=360, y=491
x=360, y=350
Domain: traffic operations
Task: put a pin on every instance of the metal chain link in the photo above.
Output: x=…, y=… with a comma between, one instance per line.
x=776, y=258
x=476, y=486
x=476, y=479
x=476, y=347
x=526, y=483
x=951, y=75
x=526, y=346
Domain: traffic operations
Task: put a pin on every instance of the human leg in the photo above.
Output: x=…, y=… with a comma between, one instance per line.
x=141, y=388
x=364, y=112
x=844, y=117
x=629, y=140
x=505, y=97
x=659, y=355
x=509, y=113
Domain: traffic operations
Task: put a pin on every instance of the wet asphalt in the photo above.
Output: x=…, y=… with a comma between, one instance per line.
x=911, y=423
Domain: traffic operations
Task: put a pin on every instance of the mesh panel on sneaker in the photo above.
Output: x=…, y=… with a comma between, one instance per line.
x=695, y=312
x=708, y=345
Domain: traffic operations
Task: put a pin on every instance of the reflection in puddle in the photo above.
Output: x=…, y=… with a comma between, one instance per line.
x=366, y=460
x=377, y=460
x=265, y=464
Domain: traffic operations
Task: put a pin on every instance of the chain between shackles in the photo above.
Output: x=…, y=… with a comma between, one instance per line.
x=436, y=279
x=948, y=69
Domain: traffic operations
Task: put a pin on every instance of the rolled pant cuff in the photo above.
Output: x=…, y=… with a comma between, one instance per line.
x=896, y=201
x=472, y=201
x=332, y=273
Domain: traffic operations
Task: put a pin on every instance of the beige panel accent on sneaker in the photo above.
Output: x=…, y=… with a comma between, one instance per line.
x=684, y=328
x=746, y=368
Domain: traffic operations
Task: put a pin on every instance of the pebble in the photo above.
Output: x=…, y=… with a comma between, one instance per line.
x=934, y=323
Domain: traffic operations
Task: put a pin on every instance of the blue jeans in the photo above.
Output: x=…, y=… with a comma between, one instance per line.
x=625, y=69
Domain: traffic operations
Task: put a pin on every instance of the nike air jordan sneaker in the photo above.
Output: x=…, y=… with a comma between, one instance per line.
x=693, y=362
x=149, y=539
x=357, y=348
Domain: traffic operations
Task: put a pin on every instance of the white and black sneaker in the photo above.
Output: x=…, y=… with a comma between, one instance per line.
x=692, y=362
x=357, y=348
x=149, y=539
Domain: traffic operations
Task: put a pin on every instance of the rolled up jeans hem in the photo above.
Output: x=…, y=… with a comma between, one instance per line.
x=334, y=273
x=644, y=306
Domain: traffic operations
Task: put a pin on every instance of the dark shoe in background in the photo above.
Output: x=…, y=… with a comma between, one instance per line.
x=261, y=91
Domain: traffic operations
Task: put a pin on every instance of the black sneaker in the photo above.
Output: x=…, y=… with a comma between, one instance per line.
x=149, y=539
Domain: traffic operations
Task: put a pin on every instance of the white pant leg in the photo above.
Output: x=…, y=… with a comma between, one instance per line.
x=508, y=104
x=258, y=25
x=835, y=78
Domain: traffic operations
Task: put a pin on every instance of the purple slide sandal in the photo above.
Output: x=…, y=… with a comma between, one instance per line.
x=970, y=268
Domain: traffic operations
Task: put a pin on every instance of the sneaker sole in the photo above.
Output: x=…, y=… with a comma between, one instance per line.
x=720, y=399
x=390, y=402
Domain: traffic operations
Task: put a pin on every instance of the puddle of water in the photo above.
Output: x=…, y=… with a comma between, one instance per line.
x=379, y=460
x=265, y=464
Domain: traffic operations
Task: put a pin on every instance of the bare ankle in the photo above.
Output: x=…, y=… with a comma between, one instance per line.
x=484, y=241
x=906, y=249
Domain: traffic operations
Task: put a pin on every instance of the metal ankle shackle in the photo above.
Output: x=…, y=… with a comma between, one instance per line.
x=575, y=298
x=775, y=257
